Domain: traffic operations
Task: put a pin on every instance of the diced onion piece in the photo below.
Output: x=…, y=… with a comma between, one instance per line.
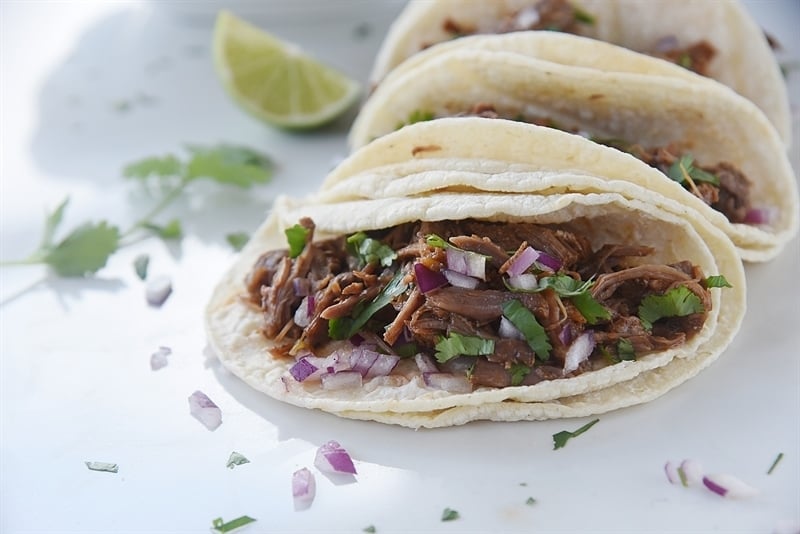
x=692, y=472
x=566, y=334
x=158, y=291
x=527, y=18
x=729, y=486
x=333, y=458
x=759, y=216
x=304, y=487
x=551, y=262
x=341, y=380
x=460, y=280
x=425, y=363
x=361, y=359
x=158, y=359
x=304, y=312
x=301, y=286
x=302, y=369
x=428, y=280
x=525, y=282
x=466, y=262
x=522, y=261
x=507, y=330
x=672, y=473
x=447, y=382
x=579, y=351
x=204, y=410
x=383, y=365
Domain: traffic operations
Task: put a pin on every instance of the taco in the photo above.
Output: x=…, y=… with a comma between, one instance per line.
x=709, y=141
x=441, y=308
x=715, y=39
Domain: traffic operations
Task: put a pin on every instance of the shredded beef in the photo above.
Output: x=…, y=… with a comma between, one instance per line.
x=695, y=57
x=340, y=290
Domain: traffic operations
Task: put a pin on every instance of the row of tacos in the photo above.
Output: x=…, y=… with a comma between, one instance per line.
x=523, y=231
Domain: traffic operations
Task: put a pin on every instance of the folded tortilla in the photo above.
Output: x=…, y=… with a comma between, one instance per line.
x=740, y=54
x=235, y=325
x=612, y=95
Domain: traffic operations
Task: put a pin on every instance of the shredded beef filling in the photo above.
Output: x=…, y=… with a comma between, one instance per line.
x=342, y=285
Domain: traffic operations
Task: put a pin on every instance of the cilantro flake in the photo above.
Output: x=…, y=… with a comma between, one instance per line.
x=683, y=170
x=296, y=236
x=716, y=281
x=591, y=310
x=172, y=230
x=236, y=459
x=237, y=240
x=625, y=350
x=530, y=501
x=775, y=463
x=102, y=466
x=370, y=529
x=140, y=264
x=522, y=318
x=448, y=514
x=369, y=250
x=518, y=373
x=415, y=116
x=455, y=345
x=433, y=240
x=677, y=302
x=220, y=526
x=560, y=439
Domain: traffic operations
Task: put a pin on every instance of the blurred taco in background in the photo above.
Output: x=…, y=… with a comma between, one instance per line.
x=445, y=306
x=717, y=149
x=718, y=39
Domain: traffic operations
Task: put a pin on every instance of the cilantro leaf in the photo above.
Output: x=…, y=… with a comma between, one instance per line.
x=347, y=327
x=591, y=310
x=530, y=501
x=518, y=373
x=677, y=302
x=448, y=514
x=582, y=16
x=102, y=466
x=716, y=281
x=140, y=265
x=455, y=344
x=237, y=240
x=522, y=318
x=85, y=250
x=236, y=459
x=576, y=290
x=160, y=166
x=51, y=224
x=369, y=250
x=227, y=164
x=684, y=167
x=418, y=115
x=296, y=236
x=564, y=285
x=172, y=230
x=625, y=350
x=220, y=526
x=435, y=241
x=560, y=439
x=370, y=529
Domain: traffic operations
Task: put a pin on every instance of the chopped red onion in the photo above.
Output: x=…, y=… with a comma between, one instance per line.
x=428, y=280
x=304, y=312
x=759, y=216
x=425, y=363
x=361, y=359
x=672, y=473
x=692, y=472
x=333, y=458
x=448, y=382
x=551, y=262
x=522, y=261
x=302, y=369
x=383, y=365
x=566, y=334
x=507, y=330
x=304, y=488
x=158, y=359
x=579, y=351
x=460, y=280
x=466, y=262
x=525, y=282
x=729, y=486
x=341, y=380
x=301, y=286
x=158, y=290
x=204, y=410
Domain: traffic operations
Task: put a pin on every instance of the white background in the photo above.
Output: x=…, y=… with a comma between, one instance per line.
x=90, y=86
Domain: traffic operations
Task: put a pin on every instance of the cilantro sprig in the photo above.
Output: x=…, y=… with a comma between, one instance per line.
x=684, y=172
x=575, y=290
x=455, y=345
x=677, y=302
x=560, y=438
x=86, y=249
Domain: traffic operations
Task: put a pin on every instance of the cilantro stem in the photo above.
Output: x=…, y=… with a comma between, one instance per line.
x=168, y=199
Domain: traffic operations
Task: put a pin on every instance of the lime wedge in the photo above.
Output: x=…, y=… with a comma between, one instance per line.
x=274, y=80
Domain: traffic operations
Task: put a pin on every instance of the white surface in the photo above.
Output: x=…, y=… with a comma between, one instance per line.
x=74, y=367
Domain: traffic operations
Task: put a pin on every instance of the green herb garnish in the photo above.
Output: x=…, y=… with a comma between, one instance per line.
x=370, y=529
x=86, y=249
x=102, y=466
x=560, y=439
x=220, y=526
x=415, y=116
x=531, y=501
x=448, y=514
x=684, y=171
x=236, y=459
x=518, y=373
x=347, y=327
x=577, y=291
x=775, y=463
x=296, y=237
x=433, y=240
x=455, y=345
x=716, y=281
x=237, y=240
x=677, y=302
x=140, y=265
x=369, y=250
x=625, y=350
x=582, y=16
x=522, y=318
